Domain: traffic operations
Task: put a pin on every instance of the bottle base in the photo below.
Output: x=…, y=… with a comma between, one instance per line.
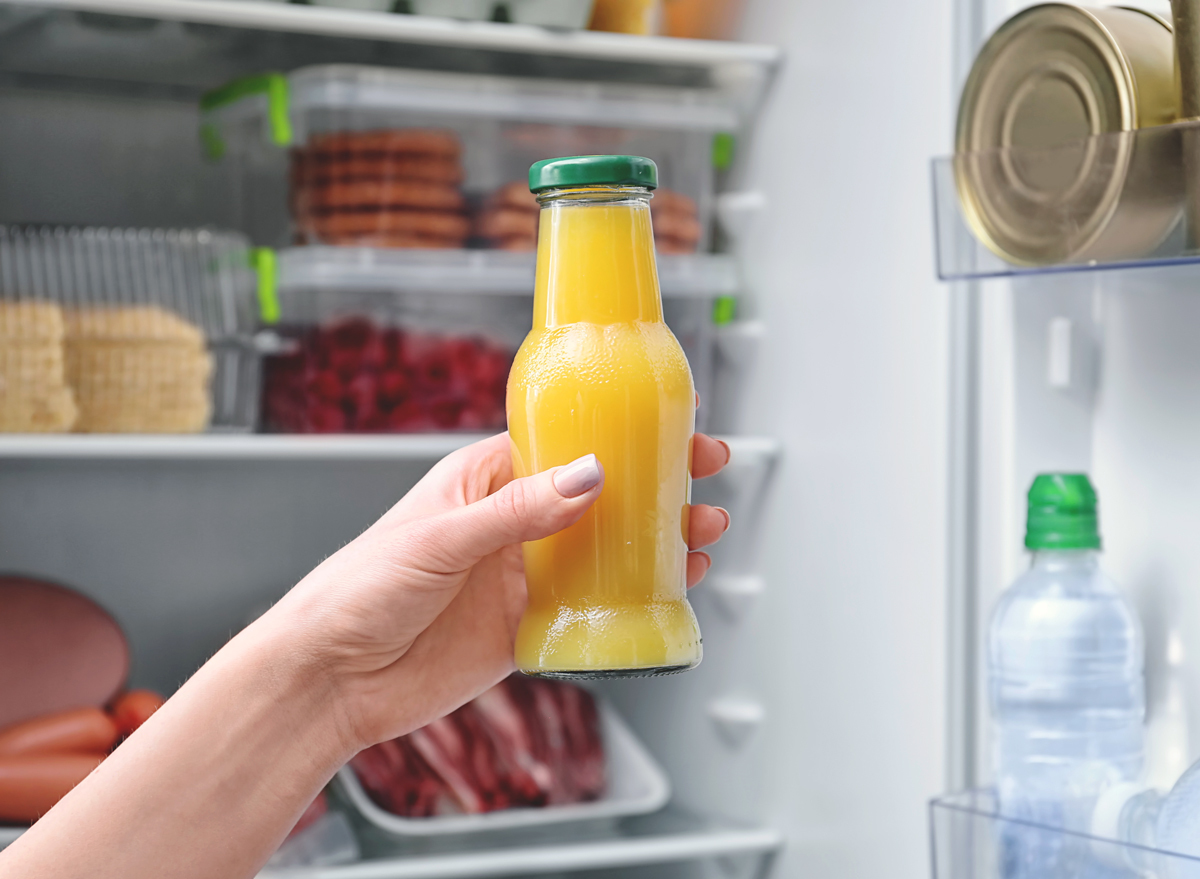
x=610, y=674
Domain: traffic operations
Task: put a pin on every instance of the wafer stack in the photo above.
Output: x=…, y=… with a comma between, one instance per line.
x=388, y=188
x=137, y=369
x=508, y=220
x=34, y=395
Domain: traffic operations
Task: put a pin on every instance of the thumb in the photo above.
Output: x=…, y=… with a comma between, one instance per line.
x=529, y=508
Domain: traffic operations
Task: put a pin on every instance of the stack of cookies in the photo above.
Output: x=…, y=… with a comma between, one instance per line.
x=388, y=188
x=137, y=369
x=34, y=395
x=508, y=220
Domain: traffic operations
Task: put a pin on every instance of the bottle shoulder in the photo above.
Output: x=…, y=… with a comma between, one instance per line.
x=602, y=351
x=1048, y=599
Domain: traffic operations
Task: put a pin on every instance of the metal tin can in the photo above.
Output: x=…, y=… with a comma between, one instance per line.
x=1047, y=163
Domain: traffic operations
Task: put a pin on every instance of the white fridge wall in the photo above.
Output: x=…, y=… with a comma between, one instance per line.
x=845, y=649
x=1129, y=417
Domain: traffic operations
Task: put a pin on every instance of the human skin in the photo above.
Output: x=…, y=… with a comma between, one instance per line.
x=411, y=619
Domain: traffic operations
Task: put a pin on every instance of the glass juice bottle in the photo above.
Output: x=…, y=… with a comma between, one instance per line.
x=601, y=373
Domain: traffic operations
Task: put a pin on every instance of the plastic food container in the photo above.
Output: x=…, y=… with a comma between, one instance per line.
x=635, y=785
x=382, y=157
x=401, y=341
x=126, y=331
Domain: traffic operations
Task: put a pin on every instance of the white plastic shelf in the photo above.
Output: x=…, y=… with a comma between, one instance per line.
x=741, y=71
x=267, y=447
x=665, y=837
x=428, y=29
x=476, y=271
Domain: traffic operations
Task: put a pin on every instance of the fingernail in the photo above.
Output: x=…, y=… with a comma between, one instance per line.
x=728, y=451
x=578, y=477
x=725, y=513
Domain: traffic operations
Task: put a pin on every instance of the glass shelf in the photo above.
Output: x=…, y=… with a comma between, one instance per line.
x=746, y=450
x=972, y=840
x=1115, y=201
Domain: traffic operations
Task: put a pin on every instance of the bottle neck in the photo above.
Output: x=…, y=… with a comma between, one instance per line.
x=1057, y=559
x=596, y=258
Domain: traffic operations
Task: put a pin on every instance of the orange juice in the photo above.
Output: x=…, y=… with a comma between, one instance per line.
x=601, y=373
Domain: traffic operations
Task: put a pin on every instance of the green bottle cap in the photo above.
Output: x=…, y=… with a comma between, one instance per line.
x=1062, y=513
x=593, y=171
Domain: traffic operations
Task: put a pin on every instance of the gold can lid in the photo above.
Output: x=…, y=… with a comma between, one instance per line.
x=1033, y=186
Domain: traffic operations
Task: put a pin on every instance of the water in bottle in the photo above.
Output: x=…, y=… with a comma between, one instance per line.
x=1066, y=685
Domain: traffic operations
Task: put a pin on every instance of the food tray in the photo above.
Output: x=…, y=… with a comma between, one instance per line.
x=636, y=786
x=126, y=330
x=370, y=156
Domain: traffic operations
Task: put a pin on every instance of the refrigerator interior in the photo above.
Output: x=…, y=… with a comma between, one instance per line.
x=816, y=724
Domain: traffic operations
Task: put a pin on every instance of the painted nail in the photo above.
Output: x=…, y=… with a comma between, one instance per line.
x=578, y=477
x=725, y=513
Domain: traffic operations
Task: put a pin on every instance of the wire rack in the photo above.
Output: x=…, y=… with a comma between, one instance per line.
x=155, y=330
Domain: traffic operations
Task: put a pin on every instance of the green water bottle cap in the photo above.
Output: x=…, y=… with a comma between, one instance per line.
x=593, y=171
x=1062, y=513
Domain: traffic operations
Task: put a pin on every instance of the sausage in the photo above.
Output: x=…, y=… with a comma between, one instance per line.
x=322, y=167
x=681, y=228
x=30, y=785
x=410, y=141
x=378, y=194
x=435, y=224
x=132, y=709
x=398, y=240
x=670, y=202
x=75, y=731
x=506, y=222
x=515, y=195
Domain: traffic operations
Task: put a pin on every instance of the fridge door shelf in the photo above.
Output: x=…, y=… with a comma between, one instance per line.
x=972, y=840
x=1121, y=200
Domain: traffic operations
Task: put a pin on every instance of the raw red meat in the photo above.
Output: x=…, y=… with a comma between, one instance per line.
x=352, y=375
x=523, y=743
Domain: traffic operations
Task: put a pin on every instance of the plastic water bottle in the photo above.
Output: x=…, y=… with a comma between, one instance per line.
x=1151, y=821
x=1066, y=684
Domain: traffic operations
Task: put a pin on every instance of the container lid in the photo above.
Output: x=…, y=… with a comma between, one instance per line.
x=593, y=171
x=1062, y=513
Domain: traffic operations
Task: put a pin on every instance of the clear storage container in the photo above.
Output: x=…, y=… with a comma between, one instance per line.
x=383, y=157
x=377, y=340
x=126, y=331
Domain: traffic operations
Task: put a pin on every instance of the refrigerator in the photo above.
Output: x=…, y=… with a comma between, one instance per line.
x=884, y=423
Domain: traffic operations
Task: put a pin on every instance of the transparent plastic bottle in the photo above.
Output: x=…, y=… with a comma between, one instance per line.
x=1153, y=823
x=1066, y=683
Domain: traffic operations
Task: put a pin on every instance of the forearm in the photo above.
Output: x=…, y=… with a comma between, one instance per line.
x=211, y=784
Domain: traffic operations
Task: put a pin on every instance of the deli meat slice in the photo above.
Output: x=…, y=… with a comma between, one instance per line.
x=524, y=743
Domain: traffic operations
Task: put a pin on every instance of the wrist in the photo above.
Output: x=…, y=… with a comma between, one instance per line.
x=303, y=681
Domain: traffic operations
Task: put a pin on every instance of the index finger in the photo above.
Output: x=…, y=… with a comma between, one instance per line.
x=709, y=455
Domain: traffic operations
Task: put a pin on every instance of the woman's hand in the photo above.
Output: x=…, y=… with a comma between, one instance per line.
x=419, y=614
